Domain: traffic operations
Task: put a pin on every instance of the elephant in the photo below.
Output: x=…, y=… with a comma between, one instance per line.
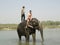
x=22, y=31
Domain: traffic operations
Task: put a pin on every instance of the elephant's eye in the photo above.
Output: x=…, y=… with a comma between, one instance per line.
x=34, y=23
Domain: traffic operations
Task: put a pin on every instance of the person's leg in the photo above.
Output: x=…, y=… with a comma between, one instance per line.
x=24, y=16
x=27, y=23
x=21, y=18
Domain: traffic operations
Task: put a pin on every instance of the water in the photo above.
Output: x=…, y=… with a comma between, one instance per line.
x=51, y=37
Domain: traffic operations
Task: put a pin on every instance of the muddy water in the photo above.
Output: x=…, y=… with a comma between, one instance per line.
x=51, y=37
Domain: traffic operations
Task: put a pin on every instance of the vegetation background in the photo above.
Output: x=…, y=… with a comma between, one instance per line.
x=45, y=24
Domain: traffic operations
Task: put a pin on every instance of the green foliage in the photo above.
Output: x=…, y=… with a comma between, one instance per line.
x=8, y=26
x=51, y=24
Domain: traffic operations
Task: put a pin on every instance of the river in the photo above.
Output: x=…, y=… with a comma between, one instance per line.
x=10, y=37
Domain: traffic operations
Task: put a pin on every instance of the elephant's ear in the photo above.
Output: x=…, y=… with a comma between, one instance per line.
x=40, y=25
x=39, y=22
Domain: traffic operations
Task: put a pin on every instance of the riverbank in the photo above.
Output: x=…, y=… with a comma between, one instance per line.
x=14, y=26
x=51, y=26
x=8, y=26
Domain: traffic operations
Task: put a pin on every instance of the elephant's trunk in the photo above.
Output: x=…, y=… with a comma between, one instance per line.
x=41, y=30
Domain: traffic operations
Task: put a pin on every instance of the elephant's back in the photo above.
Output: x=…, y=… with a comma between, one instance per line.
x=22, y=24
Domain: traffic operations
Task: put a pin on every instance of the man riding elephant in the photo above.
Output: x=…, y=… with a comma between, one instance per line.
x=29, y=18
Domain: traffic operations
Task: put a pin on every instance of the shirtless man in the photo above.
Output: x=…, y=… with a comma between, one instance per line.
x=29, y=18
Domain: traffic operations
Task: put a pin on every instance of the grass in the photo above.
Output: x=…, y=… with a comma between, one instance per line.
x=51, y=26
x=8, y=26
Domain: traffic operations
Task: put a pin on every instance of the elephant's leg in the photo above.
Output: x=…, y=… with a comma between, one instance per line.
x=34, y=37
x=19, y=37
x=27, y=37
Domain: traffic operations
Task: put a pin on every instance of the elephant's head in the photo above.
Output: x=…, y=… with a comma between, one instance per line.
x=35, y=23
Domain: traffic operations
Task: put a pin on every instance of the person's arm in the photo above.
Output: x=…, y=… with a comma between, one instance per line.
x=21, y=12
x=29, y=24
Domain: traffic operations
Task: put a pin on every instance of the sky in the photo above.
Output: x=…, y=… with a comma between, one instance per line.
x=43, y=10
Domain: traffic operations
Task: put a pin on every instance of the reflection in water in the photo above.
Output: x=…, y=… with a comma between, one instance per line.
x=23, y=43
x=29, y=43
x=42, y=43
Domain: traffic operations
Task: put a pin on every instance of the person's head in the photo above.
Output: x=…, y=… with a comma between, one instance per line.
x=23, y=7
x=30, y=11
